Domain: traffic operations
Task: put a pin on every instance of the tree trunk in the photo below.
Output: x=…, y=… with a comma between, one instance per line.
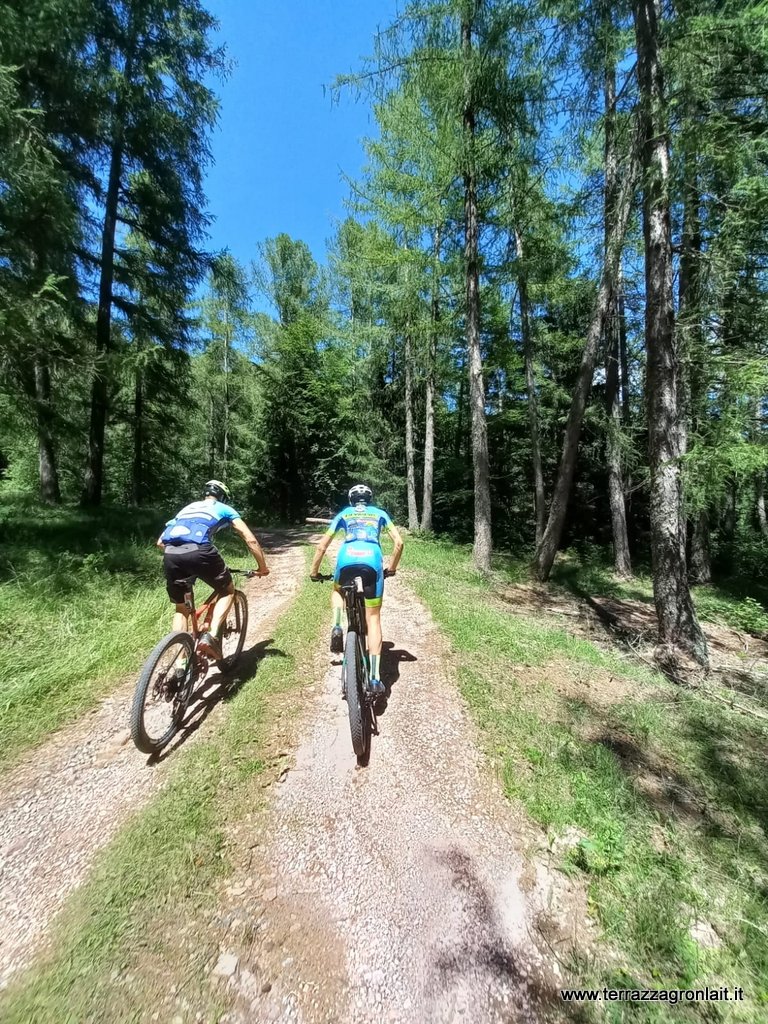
x=690, y=340
x=761, y=516
x=539, y=500
x=429, y=414
x=621, y=558
x=546, y=551
x=701, y=565
x=731, y=511
x=138, y=438
x=50, y=492
x=94, y=474
x=460, y=403
x=410, y=474
x=482, y=546
x=211, y=439
x=623, y=355
x=680, y=636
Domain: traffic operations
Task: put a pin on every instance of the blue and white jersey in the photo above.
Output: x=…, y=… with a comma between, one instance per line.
x=198, y=522
x=361, y=523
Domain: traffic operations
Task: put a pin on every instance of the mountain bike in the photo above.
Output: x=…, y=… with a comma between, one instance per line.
x=355, y=674
x=168, y=677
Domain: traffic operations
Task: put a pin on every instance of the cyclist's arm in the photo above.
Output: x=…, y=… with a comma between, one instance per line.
x=397, y=540
x=253, y=545
x=160, y=543
x=322, y=547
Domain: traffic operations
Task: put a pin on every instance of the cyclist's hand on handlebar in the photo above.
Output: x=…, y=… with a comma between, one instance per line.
x=389, y=572
x=261, y=572
x=319, y=577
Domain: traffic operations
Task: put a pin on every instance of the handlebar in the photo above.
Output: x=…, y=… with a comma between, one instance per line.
x=323, y=578
x=248, y=573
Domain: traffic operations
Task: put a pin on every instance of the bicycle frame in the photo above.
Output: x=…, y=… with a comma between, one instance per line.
x=197, y=617
x=355, y=608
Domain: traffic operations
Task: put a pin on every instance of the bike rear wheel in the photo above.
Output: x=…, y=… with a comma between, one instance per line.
x=162, y=692
x=233, y=632
x=359, y=714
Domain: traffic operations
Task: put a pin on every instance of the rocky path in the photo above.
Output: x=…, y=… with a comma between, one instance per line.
x=67, y=798
x=395, y=892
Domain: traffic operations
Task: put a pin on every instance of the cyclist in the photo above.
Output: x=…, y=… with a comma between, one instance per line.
x=360, y=555
x=189, y=554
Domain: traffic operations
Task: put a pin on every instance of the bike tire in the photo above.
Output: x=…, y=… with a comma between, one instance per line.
x=353, y=691
x=240, y=610
x=141, y=738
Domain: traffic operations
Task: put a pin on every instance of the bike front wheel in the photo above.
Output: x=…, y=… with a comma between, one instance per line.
x=162, y=692
x=233, y=632
x=354, y=676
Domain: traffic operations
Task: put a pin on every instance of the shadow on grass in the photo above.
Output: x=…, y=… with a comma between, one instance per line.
x=216, y=688
x=718, y=795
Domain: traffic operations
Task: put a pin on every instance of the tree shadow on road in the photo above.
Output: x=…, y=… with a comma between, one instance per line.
x=484, y=956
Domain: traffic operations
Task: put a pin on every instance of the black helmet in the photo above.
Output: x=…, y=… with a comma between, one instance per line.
x=360, y=493
x=219, y=490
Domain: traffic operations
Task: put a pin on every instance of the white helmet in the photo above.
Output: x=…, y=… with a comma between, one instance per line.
x=360, y=493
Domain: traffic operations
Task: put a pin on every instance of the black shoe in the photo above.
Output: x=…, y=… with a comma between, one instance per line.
x=337, y=640
x=211, y=646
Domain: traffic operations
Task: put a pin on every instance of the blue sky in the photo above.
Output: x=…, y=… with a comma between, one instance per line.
x=282, y=143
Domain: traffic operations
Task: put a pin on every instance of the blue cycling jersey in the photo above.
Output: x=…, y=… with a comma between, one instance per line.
x=360, y=523
x=197, y=523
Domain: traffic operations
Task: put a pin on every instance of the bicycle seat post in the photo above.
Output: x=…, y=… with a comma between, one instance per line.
x=189, y=601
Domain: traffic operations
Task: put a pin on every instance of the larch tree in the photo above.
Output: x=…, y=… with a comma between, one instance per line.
x=681, y=641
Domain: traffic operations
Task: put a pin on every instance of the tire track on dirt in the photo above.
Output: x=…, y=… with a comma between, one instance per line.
x=67, y=798
x=393, y=892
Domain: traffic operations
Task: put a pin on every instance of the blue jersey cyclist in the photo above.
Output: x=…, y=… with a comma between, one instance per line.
x=189, y=554
x=360, y=555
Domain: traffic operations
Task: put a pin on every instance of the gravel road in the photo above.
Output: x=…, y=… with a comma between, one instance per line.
x=392, y=892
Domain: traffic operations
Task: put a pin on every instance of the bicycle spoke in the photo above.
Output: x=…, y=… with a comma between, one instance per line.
x=162, y=705
x=233, y=631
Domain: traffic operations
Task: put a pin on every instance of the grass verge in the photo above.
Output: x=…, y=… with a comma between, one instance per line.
x=665, y=793
x=120, y=940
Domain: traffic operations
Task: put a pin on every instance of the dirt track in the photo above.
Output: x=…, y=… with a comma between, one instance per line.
x=392, y=892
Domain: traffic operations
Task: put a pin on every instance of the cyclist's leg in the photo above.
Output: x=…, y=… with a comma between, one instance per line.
x=373, y=622
x=374, y=594
x=179, y=578
x=180, y=618
x=337, y=605
x=344, y=559
x=220, y=609
x=213, y=571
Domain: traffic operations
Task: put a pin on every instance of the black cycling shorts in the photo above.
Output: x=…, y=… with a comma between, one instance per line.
x=348, y=574
x=184, y=564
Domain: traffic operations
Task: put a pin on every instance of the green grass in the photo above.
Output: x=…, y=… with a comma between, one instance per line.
x=82, y=601
x=158, y=877
x=668, y=791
